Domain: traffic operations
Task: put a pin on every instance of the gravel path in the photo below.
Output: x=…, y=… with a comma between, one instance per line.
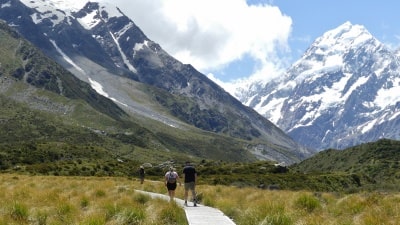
x=200, y=215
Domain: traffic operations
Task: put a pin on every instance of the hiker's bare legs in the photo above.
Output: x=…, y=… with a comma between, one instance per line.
x=193, y=191
x=171, y=195
x=186, y=195
x=194, y=196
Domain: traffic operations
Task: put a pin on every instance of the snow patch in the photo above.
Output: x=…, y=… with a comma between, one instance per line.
x=66, y=58
x=138, y=46
x=381, y=65
x=388, y=96
x=89, y=21
x=126, y=61
x=395, y=115
x=99, y=89
x=72, y=5
x=123, y=30
x=111, y=10
x=5, y=5
x=54, y=10
x=272, y=110
x=368, y=126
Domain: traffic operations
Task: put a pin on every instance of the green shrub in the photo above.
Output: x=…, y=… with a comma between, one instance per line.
x=133, y=216
x=279, y=219
x=111, y=211
x=100, y=193
x=41, y=218
x=307, y=202
x=172, y=215
x=65, y=211
x=19, y=212
x=141, y=198
x=84, y=202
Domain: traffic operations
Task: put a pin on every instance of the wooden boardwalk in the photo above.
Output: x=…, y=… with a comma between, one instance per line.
x=199, y=215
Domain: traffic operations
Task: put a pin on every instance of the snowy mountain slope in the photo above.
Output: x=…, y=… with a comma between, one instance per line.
x=344, y=90
x=104, y=48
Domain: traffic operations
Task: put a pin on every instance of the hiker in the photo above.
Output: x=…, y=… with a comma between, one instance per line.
x=190, y=178
x=171, y=179
x=141, y=174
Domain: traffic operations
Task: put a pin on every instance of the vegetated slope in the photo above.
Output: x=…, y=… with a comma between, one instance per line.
x=104, y=48
x=49, y=115
x=379, y=160
x=23, y=62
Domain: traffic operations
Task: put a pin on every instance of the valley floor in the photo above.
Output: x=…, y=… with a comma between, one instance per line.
x=93, y=200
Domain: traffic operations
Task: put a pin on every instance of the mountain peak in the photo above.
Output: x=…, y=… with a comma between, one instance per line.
x=327, y=52
x=345, y=36
x=343, y=91
x=70, y=5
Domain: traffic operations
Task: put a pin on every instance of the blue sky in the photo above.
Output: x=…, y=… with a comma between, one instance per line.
x=311, y=18
x=241, y=39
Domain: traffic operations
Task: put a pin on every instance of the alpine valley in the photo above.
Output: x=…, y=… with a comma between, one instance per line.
x=84, y=81
x=344, y=90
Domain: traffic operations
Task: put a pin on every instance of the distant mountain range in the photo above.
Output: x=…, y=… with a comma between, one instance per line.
x=131, y=80
x=344, y=90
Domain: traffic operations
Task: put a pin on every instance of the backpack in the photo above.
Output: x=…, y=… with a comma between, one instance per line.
x=171, y=177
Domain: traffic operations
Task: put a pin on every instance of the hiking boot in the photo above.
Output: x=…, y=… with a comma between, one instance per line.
x=185, y=204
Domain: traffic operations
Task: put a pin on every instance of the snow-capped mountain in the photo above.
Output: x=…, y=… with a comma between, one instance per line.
x=103, y=47
x=343, y=91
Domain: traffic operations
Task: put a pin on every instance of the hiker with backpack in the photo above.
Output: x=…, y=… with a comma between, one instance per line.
x=171, y=179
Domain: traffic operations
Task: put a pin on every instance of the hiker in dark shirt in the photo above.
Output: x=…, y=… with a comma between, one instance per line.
x=190, y=178
x=141, y=174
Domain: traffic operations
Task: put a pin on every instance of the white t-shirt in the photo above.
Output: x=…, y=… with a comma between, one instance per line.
x=171, y=176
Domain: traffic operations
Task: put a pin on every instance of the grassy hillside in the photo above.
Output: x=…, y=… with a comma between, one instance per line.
x=320, y=173
x=49, y=116
x=379, y=160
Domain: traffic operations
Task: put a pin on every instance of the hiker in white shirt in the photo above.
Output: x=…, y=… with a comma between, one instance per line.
x=171, y=179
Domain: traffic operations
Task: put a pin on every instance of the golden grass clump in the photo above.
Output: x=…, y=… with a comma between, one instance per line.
x=81, y=200
x=250, y=206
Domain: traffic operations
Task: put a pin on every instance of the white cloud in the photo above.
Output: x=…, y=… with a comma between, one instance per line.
x=211, y=34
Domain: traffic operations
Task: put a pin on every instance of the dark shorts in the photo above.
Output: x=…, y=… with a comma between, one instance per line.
x=190, y=186
x=171, y=186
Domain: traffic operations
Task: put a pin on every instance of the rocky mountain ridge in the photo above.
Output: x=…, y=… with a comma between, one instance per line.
x=345, y=90
x=104, y=48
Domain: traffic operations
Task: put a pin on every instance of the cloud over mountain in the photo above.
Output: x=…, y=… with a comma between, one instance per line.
x=212, y=34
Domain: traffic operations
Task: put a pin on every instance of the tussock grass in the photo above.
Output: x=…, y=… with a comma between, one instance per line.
x=249, y=206
x=113, y=201
x=82, y=200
